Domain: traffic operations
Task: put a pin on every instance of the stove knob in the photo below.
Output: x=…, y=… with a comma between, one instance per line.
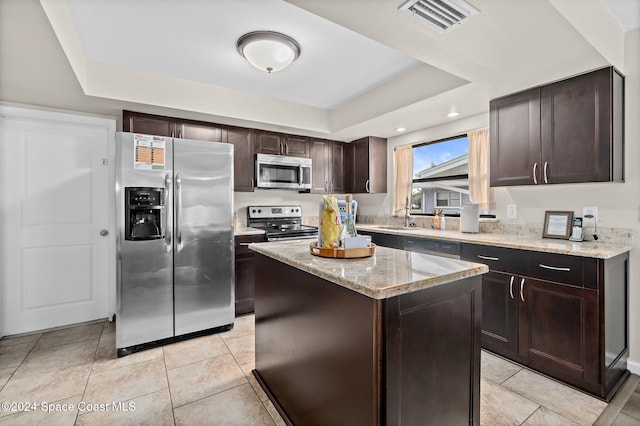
x=259, y=210
x=253, y=210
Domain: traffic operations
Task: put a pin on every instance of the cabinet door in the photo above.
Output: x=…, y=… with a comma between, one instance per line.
x=336, y=167
x=320, y=163
x=576, y=129
x=558, y=333
x=361, y=183
x=296, y=146
x=245, y=273
x=148, y=124
x=198, y=131
x=500, y=313
x=243, y=158
x=515, y=139
x=268, y=143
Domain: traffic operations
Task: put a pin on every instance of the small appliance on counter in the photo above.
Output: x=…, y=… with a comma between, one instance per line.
x=470, y=218
x=576, y=230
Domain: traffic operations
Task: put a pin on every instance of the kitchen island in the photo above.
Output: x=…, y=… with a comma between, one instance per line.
x=389, y=339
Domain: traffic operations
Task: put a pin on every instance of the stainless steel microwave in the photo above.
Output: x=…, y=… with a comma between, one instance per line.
x=279, y=171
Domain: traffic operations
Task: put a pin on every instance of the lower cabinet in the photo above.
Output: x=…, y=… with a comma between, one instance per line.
x=245, y=272
x=565, y=316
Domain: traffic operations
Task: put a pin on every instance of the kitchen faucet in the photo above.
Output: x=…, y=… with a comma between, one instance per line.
x=407, y=214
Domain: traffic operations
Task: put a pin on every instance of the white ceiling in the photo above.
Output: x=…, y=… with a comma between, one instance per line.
x=365, y=69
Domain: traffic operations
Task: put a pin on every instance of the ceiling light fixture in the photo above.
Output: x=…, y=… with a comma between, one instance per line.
x=400, y=129
x=453, y=114
x=268, y=50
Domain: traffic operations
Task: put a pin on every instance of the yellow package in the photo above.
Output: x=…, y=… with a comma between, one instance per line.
x=330, y=225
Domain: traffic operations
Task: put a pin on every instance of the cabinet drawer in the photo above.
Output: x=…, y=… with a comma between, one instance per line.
x=513, y=261
x=572, y=270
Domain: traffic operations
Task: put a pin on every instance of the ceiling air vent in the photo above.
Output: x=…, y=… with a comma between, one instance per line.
x=440, y=15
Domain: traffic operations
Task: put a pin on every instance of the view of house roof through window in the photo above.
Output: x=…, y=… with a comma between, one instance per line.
x=441, y=176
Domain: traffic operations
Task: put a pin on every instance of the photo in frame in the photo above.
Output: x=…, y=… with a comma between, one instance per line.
x=557, y=224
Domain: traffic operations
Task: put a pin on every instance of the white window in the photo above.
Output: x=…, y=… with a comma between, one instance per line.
x=447, y=199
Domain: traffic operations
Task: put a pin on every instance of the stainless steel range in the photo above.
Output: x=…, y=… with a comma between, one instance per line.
x=280, y=222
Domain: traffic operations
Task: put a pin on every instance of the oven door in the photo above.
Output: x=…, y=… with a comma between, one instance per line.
x=276, y=171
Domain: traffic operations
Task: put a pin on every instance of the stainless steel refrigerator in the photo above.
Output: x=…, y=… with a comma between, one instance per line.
x=175, y=243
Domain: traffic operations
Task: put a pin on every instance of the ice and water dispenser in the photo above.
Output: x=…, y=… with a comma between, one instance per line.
x=144, y=210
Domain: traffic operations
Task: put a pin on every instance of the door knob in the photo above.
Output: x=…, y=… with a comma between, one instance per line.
x=104, y=232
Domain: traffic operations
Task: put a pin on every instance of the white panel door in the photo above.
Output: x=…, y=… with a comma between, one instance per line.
x=56, y=193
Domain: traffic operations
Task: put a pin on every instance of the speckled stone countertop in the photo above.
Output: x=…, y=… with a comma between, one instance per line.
x=593, y=249
x=389, y=272
x=245, y=230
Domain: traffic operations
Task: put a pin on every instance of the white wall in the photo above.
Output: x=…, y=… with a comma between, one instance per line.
x=618, y=203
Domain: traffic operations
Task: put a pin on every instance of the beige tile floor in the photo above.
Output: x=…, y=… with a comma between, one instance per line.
x=208, y=380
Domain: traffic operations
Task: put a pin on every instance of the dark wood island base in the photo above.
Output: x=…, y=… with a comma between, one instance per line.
x=328, y=355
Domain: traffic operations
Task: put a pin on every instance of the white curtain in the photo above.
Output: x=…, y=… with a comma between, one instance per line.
x=403, y=178
x=479, y=190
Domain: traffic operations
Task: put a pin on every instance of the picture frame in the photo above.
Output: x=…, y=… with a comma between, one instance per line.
x=557, y=224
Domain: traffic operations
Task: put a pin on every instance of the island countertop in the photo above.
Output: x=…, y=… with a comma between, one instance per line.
x=389, y=272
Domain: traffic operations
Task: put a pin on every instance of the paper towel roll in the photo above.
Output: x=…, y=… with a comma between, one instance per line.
x=469, y=218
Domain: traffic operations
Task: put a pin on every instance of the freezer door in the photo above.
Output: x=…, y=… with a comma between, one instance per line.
x=203, y=243
x=145, y=268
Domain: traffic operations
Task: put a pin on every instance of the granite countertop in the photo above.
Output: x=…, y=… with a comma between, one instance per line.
x=389, y=272
x=592, y=249
x=245, y=230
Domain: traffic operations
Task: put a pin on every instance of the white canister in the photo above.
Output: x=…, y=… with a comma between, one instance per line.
x=469, y=218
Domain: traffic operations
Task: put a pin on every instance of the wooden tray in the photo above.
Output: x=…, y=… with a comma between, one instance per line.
x=342, y=253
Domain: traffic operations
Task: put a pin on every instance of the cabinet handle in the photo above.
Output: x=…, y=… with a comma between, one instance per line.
x=521, y=288
x=535, y=168
x=555, y=268
x=511, y=287
x=286, y=148
x=326, y=186
x=545, y=172
x=331, y=186
x=366, y=186
x=488, y=257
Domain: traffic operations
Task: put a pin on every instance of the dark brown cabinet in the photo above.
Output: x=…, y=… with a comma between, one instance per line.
x=243, y=157
x=245, y=273
x=366, y=161
x=148, y=124
x=565, y=132
x=562, y=315
x=328, y=166
x=281, y=144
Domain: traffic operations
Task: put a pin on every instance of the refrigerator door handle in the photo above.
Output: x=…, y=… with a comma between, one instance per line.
x=178, y=217
x=167, y=213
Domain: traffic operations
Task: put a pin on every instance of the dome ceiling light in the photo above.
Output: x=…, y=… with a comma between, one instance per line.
x=268, y=50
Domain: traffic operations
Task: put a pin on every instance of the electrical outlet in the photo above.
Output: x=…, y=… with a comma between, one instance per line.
x=512, y=211
x=590, y=215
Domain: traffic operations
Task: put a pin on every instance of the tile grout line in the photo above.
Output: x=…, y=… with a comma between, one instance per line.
x=166, y=374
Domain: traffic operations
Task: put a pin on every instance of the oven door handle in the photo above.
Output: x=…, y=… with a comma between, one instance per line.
x=299, y=237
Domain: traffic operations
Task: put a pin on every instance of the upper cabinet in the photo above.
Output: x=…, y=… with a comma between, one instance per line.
x=243, y=157
x=565, y=132
x=366, y=165
x=281, y=144
x=328, y=166
x=148, y=124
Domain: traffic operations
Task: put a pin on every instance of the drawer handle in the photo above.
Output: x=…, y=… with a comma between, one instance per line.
x=488, y=257
x=521, y=288
x=555, y=268
x=511, y=287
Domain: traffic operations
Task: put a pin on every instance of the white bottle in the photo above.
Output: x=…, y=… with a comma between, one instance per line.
x=442, y=223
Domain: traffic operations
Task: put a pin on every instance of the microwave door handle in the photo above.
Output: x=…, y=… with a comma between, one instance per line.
x=300, y=175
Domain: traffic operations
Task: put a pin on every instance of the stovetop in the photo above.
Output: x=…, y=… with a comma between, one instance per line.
x=280, y=222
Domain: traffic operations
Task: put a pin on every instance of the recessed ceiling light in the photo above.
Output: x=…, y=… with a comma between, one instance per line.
x=453, y=114
x=400, y=129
